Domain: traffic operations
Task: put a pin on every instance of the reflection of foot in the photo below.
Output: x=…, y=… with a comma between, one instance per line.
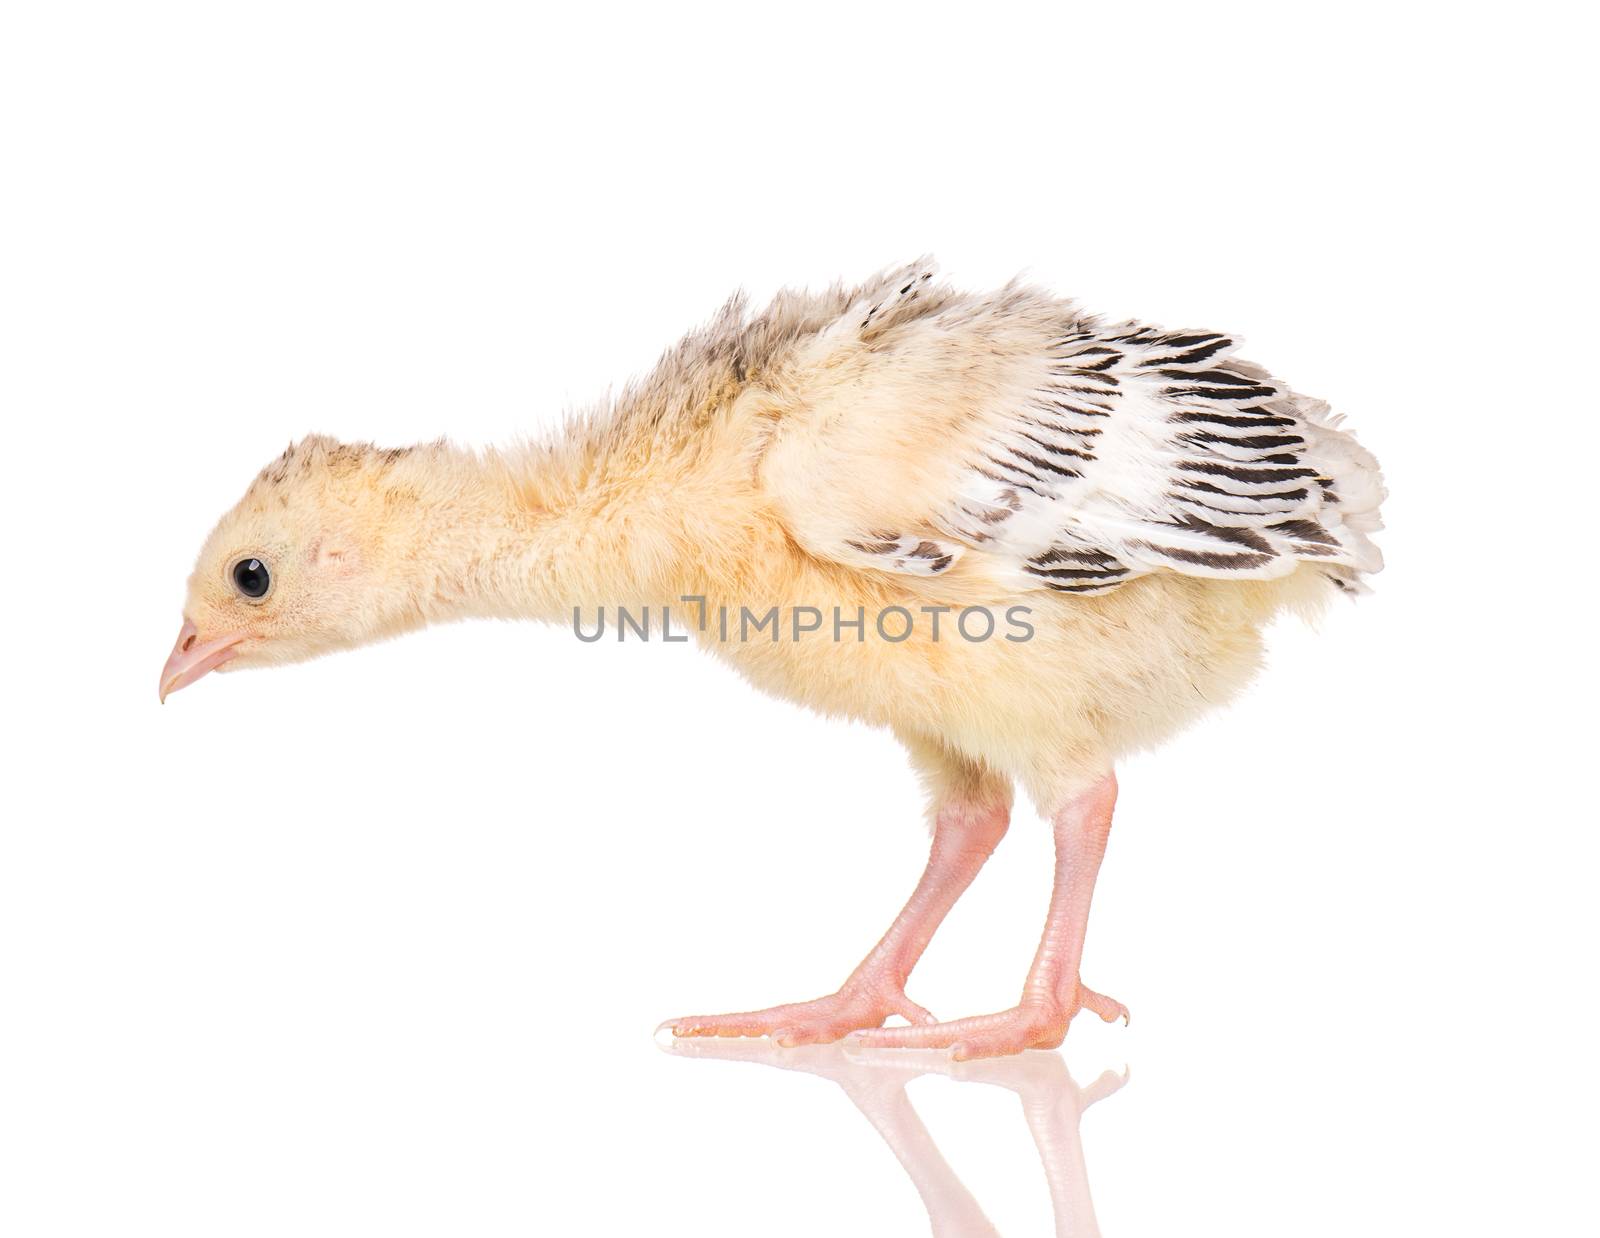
x=879, y=1092
x=1052, y=1104
x=824, y=1061
x=1040, y=1081
x=1031, y=1025
x=857, y=1005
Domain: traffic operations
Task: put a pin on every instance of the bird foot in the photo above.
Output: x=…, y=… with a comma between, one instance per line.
x=1108, y=1008
x=863, y=1004
x=1030, y=1025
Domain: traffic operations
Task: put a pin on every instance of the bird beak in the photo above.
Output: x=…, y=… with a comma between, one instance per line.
x=191, y=657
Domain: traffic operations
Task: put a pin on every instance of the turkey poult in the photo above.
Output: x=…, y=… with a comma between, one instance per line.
x=1131, y=504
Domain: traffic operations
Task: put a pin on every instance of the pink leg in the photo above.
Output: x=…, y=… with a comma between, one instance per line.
x=1053, y=993
x=965, y=833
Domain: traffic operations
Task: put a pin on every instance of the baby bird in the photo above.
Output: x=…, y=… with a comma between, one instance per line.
x=1024, y=540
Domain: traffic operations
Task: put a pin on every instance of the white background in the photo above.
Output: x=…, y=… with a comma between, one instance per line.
x=375, y=945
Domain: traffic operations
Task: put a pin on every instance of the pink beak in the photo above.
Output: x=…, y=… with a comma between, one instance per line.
x=192, y=658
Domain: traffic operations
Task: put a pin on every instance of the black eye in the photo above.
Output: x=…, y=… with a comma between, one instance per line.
x=250, y=577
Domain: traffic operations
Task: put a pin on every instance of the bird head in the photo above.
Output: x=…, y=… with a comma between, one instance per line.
x=296, y=568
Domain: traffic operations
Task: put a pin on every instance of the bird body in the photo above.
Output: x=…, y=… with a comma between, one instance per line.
x=1121, y=509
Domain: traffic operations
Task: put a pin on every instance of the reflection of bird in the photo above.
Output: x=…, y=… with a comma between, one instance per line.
x=1136, y=503
x=1052, y=1105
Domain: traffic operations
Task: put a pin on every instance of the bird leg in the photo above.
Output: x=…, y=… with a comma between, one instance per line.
x=1053, y=993
x=966, y=832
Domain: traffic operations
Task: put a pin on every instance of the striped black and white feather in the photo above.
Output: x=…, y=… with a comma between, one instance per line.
x=1149, y=450
x=1012, y=435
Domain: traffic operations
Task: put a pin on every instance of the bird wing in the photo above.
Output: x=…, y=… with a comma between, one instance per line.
x=1012, y=436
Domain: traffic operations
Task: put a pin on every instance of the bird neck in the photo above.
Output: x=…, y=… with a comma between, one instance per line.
x=538, y=532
